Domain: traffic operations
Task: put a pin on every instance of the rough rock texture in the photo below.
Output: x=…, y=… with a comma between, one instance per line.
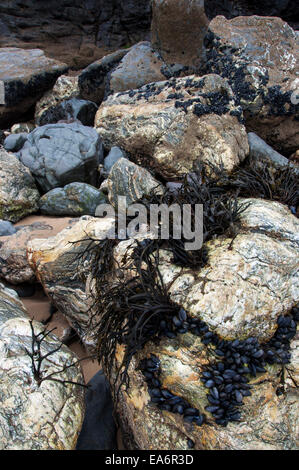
x=58, y=154
x=174, y=124
x=24, y=76
x=240, y=293
x=6, y=228
x=99, y=430
x=14, y=266
x=70, y=110
x=74, y=199
x=141, y=65
x=77, y=32
x=65, y=275
x=288, y=10
x=262, y=151
x=18, y=193
x=178, y=30
x=33, y=417
x=65, y=88
x=114, y=155
x=132, y=181
x=22, y=127
x=258, y=56
x=93, y=81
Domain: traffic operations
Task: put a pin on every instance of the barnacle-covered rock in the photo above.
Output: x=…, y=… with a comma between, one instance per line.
x=18, y=193
x=173, y=125
x=258, y=56
x=48, y=416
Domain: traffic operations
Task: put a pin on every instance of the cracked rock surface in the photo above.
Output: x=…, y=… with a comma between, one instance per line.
x=33, y=417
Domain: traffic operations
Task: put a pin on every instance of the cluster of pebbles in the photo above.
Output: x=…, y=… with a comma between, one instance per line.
x=227, y=378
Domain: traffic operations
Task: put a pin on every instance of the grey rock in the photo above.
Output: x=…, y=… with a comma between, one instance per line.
x=94, y=79
x=99, y=430
x=74, y=199
x=14, y=142
x=132, y=181
x=6, y=228
x=260, y=150
x=24, y=76
x=141, y=65
x=82, y=110
x=258, y=56
x=58, y=154
x=22, y=127
x=18, y=192
x=114, y=155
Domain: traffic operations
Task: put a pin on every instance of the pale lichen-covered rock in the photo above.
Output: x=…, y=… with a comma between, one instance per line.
x=65, y=88
x=14, y=266
x=24, y=76
x=178, y=30
x=48, y=416
x=173, y=125
x=259, y=57
x=66, y=274
x=18, y=193
x=132, y=181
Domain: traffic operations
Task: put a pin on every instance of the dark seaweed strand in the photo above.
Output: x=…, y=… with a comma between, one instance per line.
x=227, y=379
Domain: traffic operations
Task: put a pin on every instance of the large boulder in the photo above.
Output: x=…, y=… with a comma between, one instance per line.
x=58, y=154
x=175, y=124
x=77, y=33
x=14, y=266
x=258, y=57
x=241, y=292
x=65, y=272
x=36, y=415
x=178, y=30
x=288, y=10
x=18, y=193
x=24, y=76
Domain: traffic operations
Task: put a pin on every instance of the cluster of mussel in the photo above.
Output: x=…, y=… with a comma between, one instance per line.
x=227, y=378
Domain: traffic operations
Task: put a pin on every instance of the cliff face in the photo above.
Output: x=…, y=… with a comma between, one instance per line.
x=74, y=31
x=288, y=10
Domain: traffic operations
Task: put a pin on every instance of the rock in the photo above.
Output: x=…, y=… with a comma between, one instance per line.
x=14, y=266
x=14, y=142
x=132, y=181
x=260, y=150
x=25, y=75
x=74, y=199
x=288, y=10
x=173, y=125
x=141, y=65
x=76, y=33
x=94, y=80
x=178, y=30
x=258, y=57
x=240, y=293
x=65, y=88
x=65, y=275
x=98, y=431
x=22, y=127
x=74, y=109
x=35, y=417
x=18, y=193
x=6, y=228
x=58, y=154
x=114, y=155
